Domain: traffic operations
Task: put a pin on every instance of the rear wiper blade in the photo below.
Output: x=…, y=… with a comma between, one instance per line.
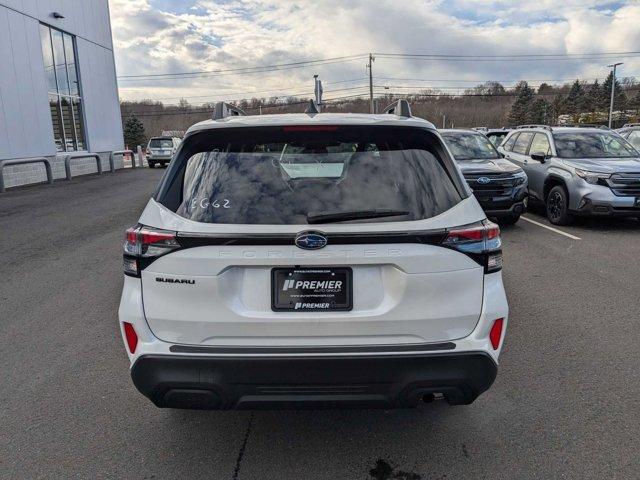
x=329, y=217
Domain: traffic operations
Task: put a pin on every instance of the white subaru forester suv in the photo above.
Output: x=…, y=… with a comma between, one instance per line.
x=312, y=260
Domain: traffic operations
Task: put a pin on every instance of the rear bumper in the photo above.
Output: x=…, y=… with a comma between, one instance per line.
x=365, y=381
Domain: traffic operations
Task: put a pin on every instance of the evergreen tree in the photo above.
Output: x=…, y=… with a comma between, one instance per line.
x=596, y=97
x=634, y=103
x=520, y=108
x=539, y=112
x=134, y=134
x=620, y=100
x=575, y=102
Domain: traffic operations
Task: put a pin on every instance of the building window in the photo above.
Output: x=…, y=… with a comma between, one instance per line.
x=63, y=83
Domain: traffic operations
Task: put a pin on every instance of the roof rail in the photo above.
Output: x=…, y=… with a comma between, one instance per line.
x=400, y=108
x=223, y=110
x=546, y=127
x=585, y=125
x=480, y=129
x=312, y=108
x=631, y=125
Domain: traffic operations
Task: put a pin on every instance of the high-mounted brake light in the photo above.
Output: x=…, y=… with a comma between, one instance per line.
x=310, y=128
x=143, y=244
x=481, y=241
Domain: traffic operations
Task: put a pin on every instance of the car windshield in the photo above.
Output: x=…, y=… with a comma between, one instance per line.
x=470, y=146
x=287, y=175
x=161, y=143
x=592, y=145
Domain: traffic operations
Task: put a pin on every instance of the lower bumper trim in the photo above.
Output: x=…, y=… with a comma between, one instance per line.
x=398, y=381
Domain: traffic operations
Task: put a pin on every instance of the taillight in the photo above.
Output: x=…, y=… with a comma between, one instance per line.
x=131, y=336
x=496, y=333
x=480, y=241
x=144, y=244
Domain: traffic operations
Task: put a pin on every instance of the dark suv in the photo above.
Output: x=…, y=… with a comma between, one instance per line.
x=499, y=185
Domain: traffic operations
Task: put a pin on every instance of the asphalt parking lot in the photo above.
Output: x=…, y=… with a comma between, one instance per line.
x=564, y=405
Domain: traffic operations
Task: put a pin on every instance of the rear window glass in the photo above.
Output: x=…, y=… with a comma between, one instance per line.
x=470, y=146
x=283, y=175
x=496, y=137
x=161, y=143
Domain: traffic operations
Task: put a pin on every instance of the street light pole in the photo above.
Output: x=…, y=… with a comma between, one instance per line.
x=370, y=67
x=613, y=90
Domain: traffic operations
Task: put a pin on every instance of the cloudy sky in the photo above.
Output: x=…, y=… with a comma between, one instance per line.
x=176, y=36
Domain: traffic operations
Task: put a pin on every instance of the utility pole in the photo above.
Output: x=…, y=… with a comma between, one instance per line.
x=444, y=120
x=372, y=107
x=613, y=90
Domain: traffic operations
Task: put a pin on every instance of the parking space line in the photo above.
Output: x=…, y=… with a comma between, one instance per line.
x=560, y=232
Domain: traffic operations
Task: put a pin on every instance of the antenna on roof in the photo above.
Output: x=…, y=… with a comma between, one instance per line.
x=224, y=110
x=400, y=108
x=312, y=108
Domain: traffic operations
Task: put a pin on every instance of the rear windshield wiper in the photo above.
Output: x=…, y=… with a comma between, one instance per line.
x=329, y=217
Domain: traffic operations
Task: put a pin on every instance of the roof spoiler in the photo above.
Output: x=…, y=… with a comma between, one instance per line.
x=312, y=108
x=224, y=110
x=400, y=108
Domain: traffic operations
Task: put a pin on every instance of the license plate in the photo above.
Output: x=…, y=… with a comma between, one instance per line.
x=311, y=289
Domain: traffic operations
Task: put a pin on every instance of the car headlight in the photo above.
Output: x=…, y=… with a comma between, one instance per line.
x=520, y=177
x=592, y=177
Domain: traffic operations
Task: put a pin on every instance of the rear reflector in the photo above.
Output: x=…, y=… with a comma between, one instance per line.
x=131, y=336
x=496, y=333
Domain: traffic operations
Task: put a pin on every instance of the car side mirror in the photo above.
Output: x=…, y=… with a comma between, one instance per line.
x=539, y=157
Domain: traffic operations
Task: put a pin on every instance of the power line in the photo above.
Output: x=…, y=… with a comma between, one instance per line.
x=347, y=58
x=242, y=71
x=297, y=94
x=535, y=56
x=284, y=89
x=490, y=79
x=209, y=110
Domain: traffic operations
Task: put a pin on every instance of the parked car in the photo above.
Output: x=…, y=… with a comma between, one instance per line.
x=160, y=150
x=631, y=132
x=499, y=185
x=312, y=260
x=497, y=135
x=577, y=171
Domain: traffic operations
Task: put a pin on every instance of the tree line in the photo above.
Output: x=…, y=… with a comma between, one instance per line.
x=488, y=104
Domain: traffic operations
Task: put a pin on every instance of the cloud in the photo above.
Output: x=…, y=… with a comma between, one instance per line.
x=159, y=36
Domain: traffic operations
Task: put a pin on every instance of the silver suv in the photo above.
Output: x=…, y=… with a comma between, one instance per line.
x=577, y=171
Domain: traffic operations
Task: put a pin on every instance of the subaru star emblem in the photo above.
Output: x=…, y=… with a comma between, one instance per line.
x=484, y=180
x=310, y=240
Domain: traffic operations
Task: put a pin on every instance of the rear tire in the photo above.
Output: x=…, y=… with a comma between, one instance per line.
x=557, y=206
x=152, y=164
x=506, y=221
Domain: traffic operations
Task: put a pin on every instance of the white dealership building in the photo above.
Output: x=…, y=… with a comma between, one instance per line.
x=58, y=88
